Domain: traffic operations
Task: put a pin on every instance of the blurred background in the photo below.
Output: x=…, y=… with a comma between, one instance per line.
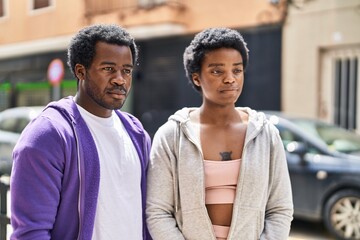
x=304, y=54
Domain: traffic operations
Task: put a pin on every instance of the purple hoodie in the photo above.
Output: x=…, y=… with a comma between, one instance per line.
x=55, y=177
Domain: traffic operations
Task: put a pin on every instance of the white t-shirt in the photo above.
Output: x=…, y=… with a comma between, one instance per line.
x=119, y=208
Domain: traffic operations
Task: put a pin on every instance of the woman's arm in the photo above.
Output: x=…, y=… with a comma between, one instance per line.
x=279, y=208
x=160, y=210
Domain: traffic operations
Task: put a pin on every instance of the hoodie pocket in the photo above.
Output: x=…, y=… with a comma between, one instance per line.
x=249, y=224
x=196, y=225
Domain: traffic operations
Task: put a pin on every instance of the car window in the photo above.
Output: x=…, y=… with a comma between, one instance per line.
x=336, y=138
x=6, y=151
x=8, y=124
x=287, y=137
x=22, y=123
x=15, y=125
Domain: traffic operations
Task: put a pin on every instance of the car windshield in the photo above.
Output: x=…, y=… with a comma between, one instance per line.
x=336, y=138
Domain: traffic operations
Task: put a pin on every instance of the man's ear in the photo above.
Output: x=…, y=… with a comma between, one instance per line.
x=80, y=71
x=196, y=79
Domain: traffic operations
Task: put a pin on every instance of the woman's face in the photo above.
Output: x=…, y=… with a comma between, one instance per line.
x=221, y=77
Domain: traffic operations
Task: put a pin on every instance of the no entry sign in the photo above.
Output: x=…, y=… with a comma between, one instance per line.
x=55, y=71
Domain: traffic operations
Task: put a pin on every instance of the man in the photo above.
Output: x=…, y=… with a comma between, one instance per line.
x=79, y=169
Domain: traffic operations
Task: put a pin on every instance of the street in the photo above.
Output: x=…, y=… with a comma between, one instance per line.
x=302, y=230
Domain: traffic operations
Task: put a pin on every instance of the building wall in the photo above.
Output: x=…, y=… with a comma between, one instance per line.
x=36, y=31
x=161, y=86
x=313, y=29
x=37, y=37
x=189, y=16
x=25, y=24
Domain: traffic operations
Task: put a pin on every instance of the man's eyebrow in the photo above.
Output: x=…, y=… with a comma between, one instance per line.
x=114, y=64
x=221, y=64
x=128, y=65
x=107, y=63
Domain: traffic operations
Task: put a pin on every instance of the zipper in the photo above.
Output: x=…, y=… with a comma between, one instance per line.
x=237, y=190
x=250, y=138
x=203, y=173
x=80, y=185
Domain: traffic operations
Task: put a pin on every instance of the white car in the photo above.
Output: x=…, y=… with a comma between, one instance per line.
x=12, y=123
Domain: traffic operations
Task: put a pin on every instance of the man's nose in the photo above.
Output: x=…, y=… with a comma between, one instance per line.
x=118, y=78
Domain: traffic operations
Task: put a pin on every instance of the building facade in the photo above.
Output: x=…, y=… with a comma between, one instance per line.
x=321, y=52
x=40, y=30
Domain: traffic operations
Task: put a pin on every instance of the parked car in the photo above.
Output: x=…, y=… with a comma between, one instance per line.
x=324, y=167
x=12, y=123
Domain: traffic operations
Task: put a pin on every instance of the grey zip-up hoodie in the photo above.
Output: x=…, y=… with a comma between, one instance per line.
x=263, y=206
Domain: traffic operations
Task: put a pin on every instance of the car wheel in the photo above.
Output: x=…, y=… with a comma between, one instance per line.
x=342, y=214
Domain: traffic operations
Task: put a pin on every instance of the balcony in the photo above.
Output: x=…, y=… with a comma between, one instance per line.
x=145, y=18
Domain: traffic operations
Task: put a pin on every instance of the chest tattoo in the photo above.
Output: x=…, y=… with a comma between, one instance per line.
x=225, y=156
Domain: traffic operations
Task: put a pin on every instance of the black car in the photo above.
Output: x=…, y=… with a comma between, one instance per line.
x=324, y=167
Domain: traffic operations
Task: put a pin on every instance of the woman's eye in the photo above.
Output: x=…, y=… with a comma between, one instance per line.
x=237, y=71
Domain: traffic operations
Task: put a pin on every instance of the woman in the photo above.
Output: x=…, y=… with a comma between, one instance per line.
x=218, y=171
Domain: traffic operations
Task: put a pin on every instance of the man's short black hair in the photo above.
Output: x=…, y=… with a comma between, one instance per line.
x=82, y=46
x=208, y=40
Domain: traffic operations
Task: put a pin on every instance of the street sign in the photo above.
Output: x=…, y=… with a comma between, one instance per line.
x=55, y=72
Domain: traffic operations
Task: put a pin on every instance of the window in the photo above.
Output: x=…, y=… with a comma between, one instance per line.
x=340, y=87
x=288, y=138
x=345, y=79
x=3, y=8
x=150, y=3
x=38, y=4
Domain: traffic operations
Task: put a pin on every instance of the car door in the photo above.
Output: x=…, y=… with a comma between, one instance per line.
x=305, y=171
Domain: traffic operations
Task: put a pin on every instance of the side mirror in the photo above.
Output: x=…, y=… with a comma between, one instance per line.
x=298, y=148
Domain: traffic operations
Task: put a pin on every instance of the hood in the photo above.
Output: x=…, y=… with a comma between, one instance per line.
x=256, y=122
x=182, y=115
x=258, y=118
x=67, y=107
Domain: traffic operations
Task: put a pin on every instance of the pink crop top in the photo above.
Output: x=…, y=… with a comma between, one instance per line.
x=221, y=180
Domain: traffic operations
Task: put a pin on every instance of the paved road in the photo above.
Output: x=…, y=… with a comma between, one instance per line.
x=302, y=230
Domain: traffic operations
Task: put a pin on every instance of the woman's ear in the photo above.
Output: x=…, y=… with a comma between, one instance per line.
x=80, y=71
x=196, y=79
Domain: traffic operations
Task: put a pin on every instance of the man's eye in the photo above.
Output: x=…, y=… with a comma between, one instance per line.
x=216, y=71
x=108, y=69
x=127, y=71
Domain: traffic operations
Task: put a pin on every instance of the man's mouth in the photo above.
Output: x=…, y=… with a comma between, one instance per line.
x=118, y=93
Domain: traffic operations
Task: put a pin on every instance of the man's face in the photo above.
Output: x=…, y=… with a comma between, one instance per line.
x=107, y=82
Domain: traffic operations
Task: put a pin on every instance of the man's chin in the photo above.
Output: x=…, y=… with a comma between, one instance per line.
x=118, y=105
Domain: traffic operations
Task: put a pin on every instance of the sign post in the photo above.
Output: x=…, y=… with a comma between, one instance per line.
x=55, y=75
